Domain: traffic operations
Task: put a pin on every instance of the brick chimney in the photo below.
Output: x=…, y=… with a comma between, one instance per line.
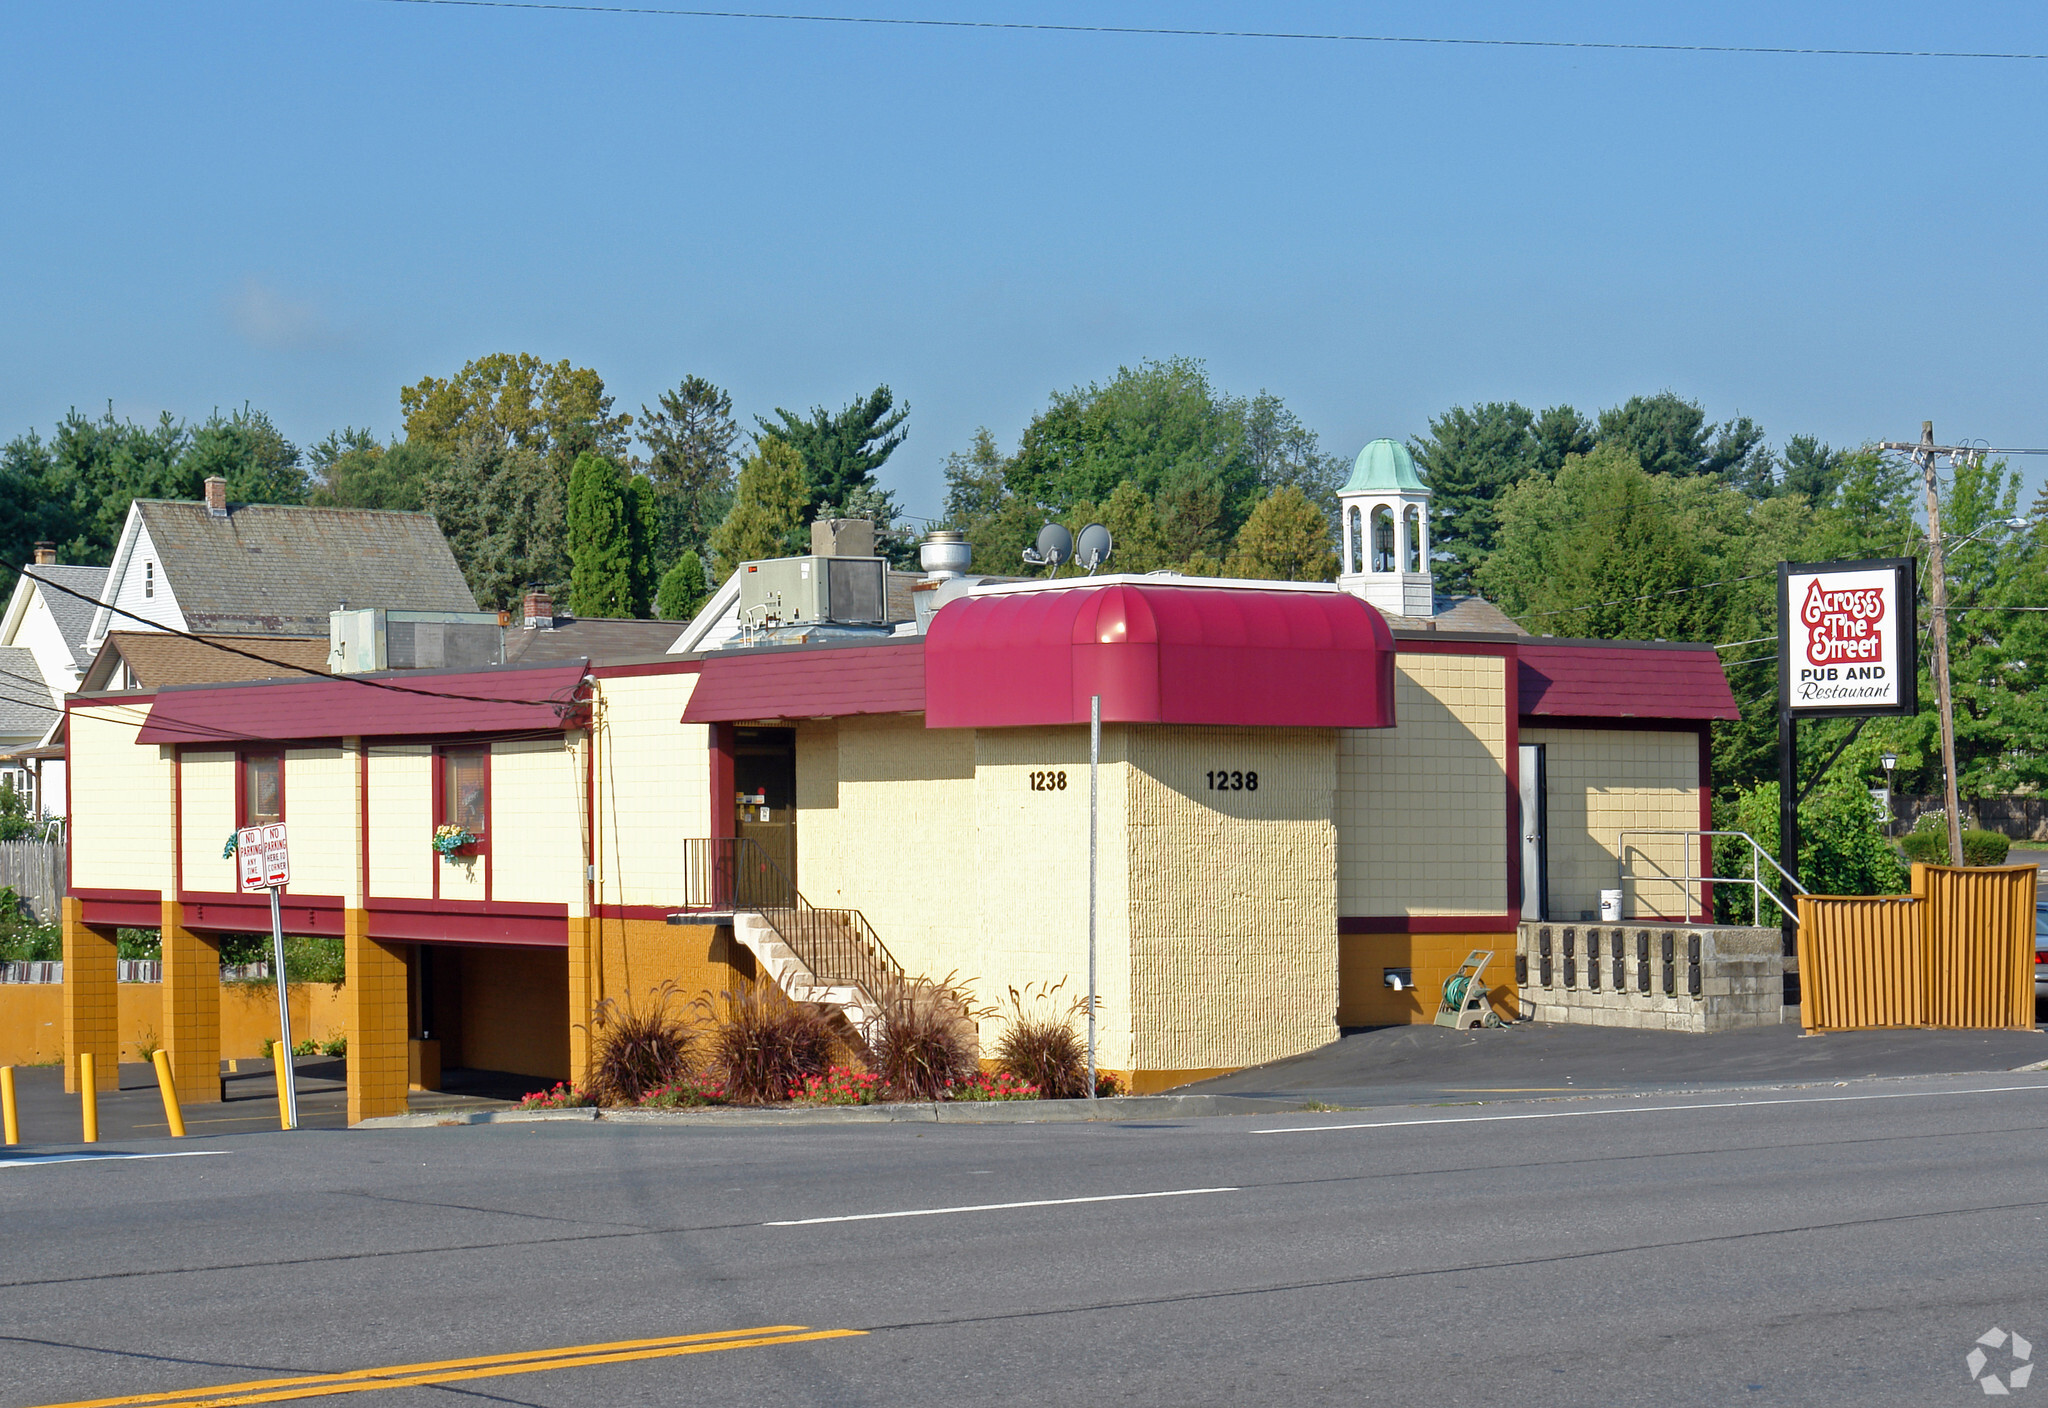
x=217, y=496
x=540, y=609
x=46, y=554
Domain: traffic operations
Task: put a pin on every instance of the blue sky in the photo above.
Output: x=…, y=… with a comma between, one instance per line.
x=307, y=203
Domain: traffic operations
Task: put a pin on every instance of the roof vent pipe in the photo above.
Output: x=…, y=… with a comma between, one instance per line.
x=945, y=553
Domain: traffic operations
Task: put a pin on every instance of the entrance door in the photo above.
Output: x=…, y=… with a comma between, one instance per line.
x=1535, y=851
x=764, y=785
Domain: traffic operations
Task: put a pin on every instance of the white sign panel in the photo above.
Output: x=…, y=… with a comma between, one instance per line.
x=1849, y=644
x=261, y=857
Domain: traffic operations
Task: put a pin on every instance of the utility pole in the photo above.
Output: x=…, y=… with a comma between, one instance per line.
x=1937, y=596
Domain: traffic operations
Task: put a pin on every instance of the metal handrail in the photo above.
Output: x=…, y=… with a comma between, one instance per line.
x=725, y=874
x=1754, y=879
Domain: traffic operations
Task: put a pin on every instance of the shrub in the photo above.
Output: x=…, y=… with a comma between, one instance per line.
x=1039, y=1044
x=307, y=1047
x=842, y=1085
x=562, y=1096
x=1108, y=1085
x=146, y=1049
x=926, y=1040
x=696, y=1090
x=768, y=1044
x=1842, y=847
x=635, y=1052
x=997, y=1085
x=334, y=1046
x=1929, y=845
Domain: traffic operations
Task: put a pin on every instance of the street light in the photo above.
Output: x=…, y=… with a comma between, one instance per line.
x=1890, y=761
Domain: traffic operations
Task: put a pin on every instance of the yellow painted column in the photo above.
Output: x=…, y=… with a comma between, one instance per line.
x=191, y=995
x=583, y=994
x=91, y=1011
x=373, y=1006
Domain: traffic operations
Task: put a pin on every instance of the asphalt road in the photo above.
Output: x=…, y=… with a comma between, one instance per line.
x=1823, y=1245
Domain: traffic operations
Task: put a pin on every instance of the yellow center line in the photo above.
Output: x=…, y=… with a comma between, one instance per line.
x=455, y=1370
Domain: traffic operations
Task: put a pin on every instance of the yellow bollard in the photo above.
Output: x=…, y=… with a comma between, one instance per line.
x=89, y=1097
x=280, y=1062
x=10, y=1118
x=169, y=1090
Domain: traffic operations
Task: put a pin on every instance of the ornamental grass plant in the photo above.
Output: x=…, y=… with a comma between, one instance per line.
x=767, y=1044
x=928, y=1039
x=636, y=1051
x=1039, y=1045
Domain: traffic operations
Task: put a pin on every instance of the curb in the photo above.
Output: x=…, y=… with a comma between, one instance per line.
x=947, y=1112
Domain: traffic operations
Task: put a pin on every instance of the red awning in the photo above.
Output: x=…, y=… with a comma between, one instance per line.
x=411, y=703
x=1160, y=653
x=1603, y=680
x=805, y=682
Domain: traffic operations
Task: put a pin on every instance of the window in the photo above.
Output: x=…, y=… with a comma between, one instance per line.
x=1411, y=524
x=466, y=789
x=262, y=788
x=149, y=579
x=1382, y=539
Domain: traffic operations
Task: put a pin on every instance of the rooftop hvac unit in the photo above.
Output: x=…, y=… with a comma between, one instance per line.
x=845, y=590
x=375, y=639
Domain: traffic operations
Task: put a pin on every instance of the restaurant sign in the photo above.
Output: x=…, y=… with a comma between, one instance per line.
x=1847, y=638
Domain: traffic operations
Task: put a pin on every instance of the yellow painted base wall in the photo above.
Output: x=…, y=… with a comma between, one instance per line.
x=1364, y=999
x=32, y=1018
x=514, y=1010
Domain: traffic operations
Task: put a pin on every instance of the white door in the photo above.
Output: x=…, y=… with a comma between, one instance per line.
x=1535, y=868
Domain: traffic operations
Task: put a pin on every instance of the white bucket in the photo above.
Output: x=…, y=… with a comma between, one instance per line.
x=1610, y=906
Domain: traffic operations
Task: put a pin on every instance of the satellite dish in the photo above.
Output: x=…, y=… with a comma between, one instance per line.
x=1055, y=546
x=1094, y=547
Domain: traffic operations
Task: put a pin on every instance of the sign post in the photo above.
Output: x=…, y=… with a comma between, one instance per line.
x=264, y=863
x=1848, y=647
x=1094, y=765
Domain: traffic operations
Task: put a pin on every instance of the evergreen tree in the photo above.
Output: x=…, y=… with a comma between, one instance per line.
x=683, y=588
x=600, y=539
x=1286, y=539
x=840, y=453
x=768, y=509
x=501, y=509
x=689, y=444
x=643, y=541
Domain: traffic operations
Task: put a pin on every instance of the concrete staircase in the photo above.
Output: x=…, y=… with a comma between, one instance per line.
x=764, y=938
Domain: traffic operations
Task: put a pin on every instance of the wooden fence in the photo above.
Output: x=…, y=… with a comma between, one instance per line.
x=1957, y=952
x=34, y=870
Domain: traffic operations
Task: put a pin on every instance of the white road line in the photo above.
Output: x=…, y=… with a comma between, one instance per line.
x=999, y=1207
x=24, y=1160
x=1655, y=1109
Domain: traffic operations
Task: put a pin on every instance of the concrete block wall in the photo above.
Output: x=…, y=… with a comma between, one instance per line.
x=1422, y=808
x=1566, y=973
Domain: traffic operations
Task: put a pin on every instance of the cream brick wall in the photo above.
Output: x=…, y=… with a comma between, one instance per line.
x=206, y=799
x=653, y=787
x=321, y=820
x=1233, y=895
x=401, y=806
x=1031, y=857
x=1422, y=808
x=121, y=797
x=1599, y=782
x=537, y=812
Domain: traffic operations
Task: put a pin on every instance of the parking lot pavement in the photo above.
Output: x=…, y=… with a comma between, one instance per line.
x=1540, y=1060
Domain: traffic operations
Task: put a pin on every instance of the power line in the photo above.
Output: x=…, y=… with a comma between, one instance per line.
x=560, y=706
x=1177, y=33
x=1649, y=596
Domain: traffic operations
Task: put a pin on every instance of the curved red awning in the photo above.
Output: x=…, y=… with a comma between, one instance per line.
x=1161, y=654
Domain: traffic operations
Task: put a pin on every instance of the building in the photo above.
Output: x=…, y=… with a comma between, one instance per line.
x=43, y=647
x=1309, y=810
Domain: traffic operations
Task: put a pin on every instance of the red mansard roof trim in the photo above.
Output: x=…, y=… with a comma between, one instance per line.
x=809, y=681
x=1604, y=679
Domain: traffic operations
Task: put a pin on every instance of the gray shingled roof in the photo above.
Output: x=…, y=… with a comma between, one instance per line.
x=1459, y=613
x=73, y=616
x=600, y=640
x=25, y=710
x=277, y=569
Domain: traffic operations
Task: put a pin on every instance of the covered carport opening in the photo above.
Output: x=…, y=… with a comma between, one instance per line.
x=489, y=1019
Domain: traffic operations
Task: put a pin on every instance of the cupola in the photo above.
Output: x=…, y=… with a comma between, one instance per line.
x=1383, y=543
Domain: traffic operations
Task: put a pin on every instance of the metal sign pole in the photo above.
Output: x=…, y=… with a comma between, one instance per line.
x=1094, y=766
x=287, y=1078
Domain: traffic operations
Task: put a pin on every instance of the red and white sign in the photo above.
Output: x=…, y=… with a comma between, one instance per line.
x=1846, y=650
x=262, y=858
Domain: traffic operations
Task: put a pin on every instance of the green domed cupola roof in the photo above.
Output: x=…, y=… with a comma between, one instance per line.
x=1385, y=466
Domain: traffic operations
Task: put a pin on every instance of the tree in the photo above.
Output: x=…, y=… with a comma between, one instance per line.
x=501, y=509
x=600, y=540
x=689, y=444
x=1287, y=454
x=518, y=402
x=879, y=507
x=1137, y=543
x=840, y=453
x=683, y=588
x=1842, y=847
x=1811, y=469
x=1286, y=539
x=1670, y=435
x=351, y=470
x=768, y=508
x=244, y=448
x=1472, y=456
x=979, y=503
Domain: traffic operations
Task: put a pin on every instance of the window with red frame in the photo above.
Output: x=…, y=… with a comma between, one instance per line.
x=262, y=799
x=466, y=789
